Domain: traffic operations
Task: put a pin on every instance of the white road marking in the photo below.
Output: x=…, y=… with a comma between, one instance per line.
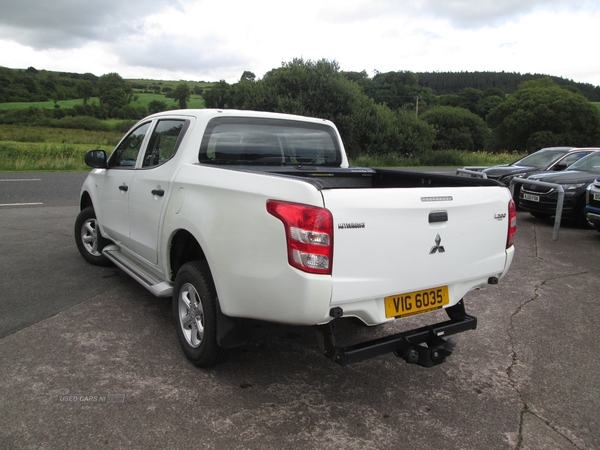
x=20, y=204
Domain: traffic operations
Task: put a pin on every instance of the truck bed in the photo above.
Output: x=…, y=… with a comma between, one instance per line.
x=363, y=177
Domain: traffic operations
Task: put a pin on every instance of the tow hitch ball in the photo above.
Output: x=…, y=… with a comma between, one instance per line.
x=436, y=351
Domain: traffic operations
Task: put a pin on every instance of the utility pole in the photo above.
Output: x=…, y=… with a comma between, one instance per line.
x=417, y=107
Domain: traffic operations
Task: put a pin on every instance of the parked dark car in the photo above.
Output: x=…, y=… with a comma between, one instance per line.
x=546, y=159
x=541, y=201
x=592, y=209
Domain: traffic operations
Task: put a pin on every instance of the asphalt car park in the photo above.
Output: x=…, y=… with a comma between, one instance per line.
x=89, y=359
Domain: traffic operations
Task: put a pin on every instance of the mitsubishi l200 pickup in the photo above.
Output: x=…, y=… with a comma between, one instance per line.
x=242, y=215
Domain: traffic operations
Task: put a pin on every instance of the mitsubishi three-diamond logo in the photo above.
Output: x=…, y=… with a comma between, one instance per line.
x=437, y=247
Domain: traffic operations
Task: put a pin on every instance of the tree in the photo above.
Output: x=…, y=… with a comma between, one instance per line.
x=542, y=111
x=85, y=89
x=248, y=76
x=218, y=96
x=491, y=98
x=319, y=89
x=156, y=106
x=361, y=78
x=114, y=91
x=111, y=81
x=394, y=89
x=468, y=98
x=457, y=128
x=181, y=94
x=114, y=99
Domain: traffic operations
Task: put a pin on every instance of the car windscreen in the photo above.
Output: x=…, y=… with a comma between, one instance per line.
x=257, y=141
x=541, y=159
x=591, y=163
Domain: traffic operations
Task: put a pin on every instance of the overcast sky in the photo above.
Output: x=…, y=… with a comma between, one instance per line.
x=219, y=39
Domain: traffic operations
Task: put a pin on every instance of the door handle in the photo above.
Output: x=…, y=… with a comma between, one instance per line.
x=124, y=188
x=159, y=192
x=438, y=216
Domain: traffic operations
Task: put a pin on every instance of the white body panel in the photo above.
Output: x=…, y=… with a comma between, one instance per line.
x=392, y=254
x=245, y=245
x=114, y=213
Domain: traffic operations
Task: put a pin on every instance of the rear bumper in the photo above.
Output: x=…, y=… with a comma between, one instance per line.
x=423, y=346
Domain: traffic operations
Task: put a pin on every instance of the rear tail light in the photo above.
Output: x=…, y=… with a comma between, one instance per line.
x=309, y=235
x=512, y=223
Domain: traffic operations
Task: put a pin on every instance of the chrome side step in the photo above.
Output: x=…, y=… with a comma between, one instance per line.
x=149, y=281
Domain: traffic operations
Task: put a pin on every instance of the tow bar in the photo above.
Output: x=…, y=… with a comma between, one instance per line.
x=424, y=346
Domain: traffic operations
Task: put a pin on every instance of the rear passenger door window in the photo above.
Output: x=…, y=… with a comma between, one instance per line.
x=165, y=140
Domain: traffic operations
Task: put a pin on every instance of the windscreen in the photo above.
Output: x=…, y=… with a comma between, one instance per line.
x=591, y=163
x=254, y=141
x=541, y=159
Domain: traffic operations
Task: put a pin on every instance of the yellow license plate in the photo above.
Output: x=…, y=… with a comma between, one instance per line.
x=417, y=302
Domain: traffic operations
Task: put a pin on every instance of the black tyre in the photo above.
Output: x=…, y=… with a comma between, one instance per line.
x=195, y=314
x=88, y=238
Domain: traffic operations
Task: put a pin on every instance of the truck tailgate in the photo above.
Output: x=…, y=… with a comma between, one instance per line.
x=398, y=240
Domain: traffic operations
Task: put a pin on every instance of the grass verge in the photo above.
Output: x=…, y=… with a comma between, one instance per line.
x=439, y=158
x=24, y=148
x=53, y=149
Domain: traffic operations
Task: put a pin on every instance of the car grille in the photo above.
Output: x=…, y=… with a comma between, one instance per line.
x=536, y=189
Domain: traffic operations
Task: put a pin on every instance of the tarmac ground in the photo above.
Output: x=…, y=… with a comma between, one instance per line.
x=90, y=359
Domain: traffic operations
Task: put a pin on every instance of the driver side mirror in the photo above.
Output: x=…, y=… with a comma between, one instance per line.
x=96, y=159
x=559, y=167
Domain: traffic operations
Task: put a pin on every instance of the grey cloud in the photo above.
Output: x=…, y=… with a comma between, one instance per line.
x=468, y=14
x=69, y=23
x=465, y=14
x=180, y=55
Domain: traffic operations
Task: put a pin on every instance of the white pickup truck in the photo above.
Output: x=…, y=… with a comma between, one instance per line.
x=249, y=215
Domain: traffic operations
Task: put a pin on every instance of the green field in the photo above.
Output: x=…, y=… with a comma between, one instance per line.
x=140, y=99
x=52, y=149
x=30, y=149
x=47, y=105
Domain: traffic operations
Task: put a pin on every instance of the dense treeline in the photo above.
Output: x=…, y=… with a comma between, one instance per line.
x=32, y=85
x=507, y=82
x=391, y=113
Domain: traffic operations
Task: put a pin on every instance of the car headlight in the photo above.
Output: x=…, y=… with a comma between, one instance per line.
x=510, y=177
x=572, y=186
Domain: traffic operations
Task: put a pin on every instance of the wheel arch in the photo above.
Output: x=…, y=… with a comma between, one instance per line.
x=85, y=200
x=184, y=248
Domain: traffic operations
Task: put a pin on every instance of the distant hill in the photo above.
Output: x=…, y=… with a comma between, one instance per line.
x=453, y=82
x=33, y=85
